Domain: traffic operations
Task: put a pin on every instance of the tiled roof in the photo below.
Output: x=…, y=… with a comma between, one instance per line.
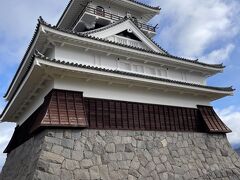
x=146, y=5
x=228, y=89
x=80, y=34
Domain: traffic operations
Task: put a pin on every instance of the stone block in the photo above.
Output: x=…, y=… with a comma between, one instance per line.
x=78, y=146
x=77, y=155
x=135, y=164
x=127, y=155
x=94, y=172
x=103, y=172
x=66, y=153
x=134, y=173
x=98, y=149
x=51, y=157
x=86, y=163
x=45, y=175
x=126, y=140
x=70, y=164
x=57, y=149
x=67, y=143
x=110, y=148
x=82, y=174
x=52, y=140
x=161, y=168
x=54, y=169
x=164, y=142
x=163, y=158
x=120, y=147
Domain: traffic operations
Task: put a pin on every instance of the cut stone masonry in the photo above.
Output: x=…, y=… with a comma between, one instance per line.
x=116, y=154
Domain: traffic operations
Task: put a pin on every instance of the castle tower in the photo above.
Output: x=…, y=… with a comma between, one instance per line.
x=96, y=98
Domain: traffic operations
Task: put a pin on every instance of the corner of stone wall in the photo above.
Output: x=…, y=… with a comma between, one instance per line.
x=21, y=163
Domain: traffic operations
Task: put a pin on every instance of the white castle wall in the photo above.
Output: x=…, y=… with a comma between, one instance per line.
x=78, y=55
x=98, y=89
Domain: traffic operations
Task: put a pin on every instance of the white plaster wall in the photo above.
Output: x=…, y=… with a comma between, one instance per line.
x=74, y=54
x=90, y=57
x=104, y=90
x=196, y=77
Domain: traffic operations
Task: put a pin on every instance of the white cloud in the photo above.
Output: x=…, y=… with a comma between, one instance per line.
x=219, y=55
x=6, y=131
x=231, y=116
x=18, y=20
x=192, y=26
x=22, y=17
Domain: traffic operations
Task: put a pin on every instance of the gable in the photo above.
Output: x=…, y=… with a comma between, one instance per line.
x=126, y=33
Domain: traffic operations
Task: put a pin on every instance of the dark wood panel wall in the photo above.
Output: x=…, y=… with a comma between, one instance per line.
x=65, y=108
x=110, y=114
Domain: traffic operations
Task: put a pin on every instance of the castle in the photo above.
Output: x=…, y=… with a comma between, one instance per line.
x=96, y=98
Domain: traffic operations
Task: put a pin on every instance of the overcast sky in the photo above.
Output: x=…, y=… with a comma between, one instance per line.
x=204, y=29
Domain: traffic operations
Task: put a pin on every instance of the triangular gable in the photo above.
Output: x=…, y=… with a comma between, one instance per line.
x=125, y=25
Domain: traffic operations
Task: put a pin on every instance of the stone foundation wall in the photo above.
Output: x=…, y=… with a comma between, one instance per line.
x=113, y=154
x=21, y=163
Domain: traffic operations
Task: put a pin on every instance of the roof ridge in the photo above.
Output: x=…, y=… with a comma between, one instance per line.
x=39, y=55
